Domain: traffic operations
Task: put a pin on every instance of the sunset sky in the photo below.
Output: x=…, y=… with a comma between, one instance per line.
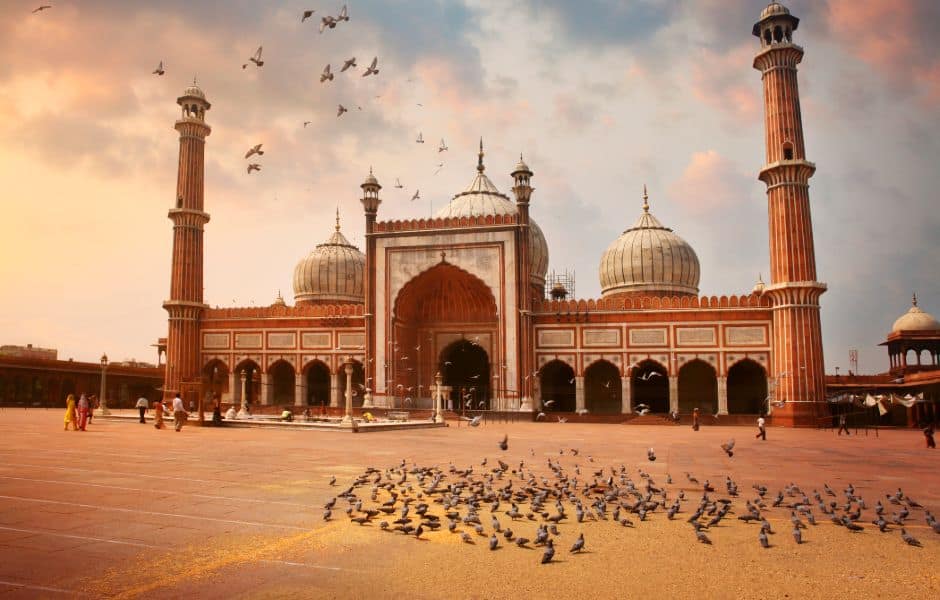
x=601, y=97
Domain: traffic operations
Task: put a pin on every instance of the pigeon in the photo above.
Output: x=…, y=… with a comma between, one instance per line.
x=521, y=542
x=399, y=186
x=578, y=544
x=420, y=139
x=326, y=75
x=466, y=537
x=41, y=8
x=343, y=15
x=504, y=444
x=348, y=64
x=650, y=455
x=494, y=542
x=762, y=538
x=417, y=196
x=475, y=421
x=333, y=480
x=307, y=14
x=371, y=69
x=549, y=553
x=442, y=147
x=159, y=70
x=700, y=535
x=307, y=123
x=256, y=58
x=797, y=535
x=327, y=22
x=327, y=514
x=728, y=447
x=254, y=150
x=908, y=538
x=253, y=167
x=340, y=110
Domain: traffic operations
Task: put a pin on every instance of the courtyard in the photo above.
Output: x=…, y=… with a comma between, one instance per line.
x=123, y=510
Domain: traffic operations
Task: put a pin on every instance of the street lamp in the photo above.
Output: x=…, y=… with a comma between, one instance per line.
x=102, y=402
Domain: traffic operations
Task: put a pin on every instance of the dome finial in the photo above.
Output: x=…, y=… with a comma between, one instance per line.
x=914, y=299
x=480, y=166
x=337, y=217
x=646, y=204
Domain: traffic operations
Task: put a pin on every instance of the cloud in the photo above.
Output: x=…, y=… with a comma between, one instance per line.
x=709, y=183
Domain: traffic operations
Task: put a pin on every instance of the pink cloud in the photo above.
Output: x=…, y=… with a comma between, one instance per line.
x=710, y=181
x=723, y=80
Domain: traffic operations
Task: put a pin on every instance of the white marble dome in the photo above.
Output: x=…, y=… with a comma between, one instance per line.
x=915, y=319
x=332, y=273
x=649, y=259
x=774, y=9
x=482, y=198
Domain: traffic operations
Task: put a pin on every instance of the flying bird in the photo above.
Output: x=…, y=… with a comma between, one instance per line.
x=728, y=447
x=253, y=167
x=341, y=110
x=416, y=196
x=650, y=375
x=159, y=70
x=254, y=150
x=420, y=139
x=504, y=444
x=650, y=455
x=343, y=15
x=348, y=64
x=372, y=70
x=326, y=75
x=399, y=186
x=256, y=58
x=307, y=123
x=307, y=14
x=439, y=167
x=443, y=146
x=327, y=21
x=42, y=8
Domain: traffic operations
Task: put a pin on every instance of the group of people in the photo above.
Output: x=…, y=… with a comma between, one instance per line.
x=761, y=424
x=79, y=414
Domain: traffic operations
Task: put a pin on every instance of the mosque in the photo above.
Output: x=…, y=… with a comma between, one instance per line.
x=463, y=294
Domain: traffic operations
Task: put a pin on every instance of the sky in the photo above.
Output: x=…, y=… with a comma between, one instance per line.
x=601, y=97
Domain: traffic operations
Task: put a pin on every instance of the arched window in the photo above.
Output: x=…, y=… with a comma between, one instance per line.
x=778, y=34
x=556, y=381
x=787, y=151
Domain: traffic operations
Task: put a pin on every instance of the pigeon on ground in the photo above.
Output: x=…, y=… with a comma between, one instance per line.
x=549, y=553
x=797, y=535
x=504, y=444
x=494, y=542
x=650, y=455
x=909, y=539
x=762, y=537
x=578, y=544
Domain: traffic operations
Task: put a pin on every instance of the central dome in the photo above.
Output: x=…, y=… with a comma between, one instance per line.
x=915, y=319
x=649, y=260
x=482, y=198
x=332, y=273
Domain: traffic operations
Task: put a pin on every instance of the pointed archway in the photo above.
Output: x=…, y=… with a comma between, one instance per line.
x=215, y=379
x=556, y=381
x=747, y=388
x=318, y=384
x=282, y=381
x=465, y=367
x=252, y=374
x=650, y=387
x=602, y=389
x=698, y=387
x=358, y=384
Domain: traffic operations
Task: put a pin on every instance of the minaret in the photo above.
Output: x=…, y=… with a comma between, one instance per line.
x=185, y=305
x=793, y=289
x=522, y=189
x=370, y=204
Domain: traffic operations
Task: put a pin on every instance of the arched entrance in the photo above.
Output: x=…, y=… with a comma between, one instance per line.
x=556, y=380
x=252, y=374
x=650, y=386
x=602, y=391
x=215, y=379
x=318, y=384
x=444, y=315
x=358, y=384
x=465, y=367
x=747, y=389
x=281, y=379
x=698, y=387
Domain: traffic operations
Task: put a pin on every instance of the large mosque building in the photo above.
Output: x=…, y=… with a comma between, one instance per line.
x=463, y=294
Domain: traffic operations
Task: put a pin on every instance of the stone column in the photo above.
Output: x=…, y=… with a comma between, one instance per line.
x=230, y=397
x=266, y=391
x=334, y=388
x=347, y=417
x=300, y=390
x=626, y=397
x=438, y=399
x=103, y=400
x=579, y=393
x=722, y=395
x=673, y=394
x=243, y=412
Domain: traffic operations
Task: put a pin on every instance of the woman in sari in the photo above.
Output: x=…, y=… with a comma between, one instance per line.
x=158, y=414
x=82, y=412
x=70, y=412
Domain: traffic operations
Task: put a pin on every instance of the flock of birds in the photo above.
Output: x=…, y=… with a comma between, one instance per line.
x=530, y=508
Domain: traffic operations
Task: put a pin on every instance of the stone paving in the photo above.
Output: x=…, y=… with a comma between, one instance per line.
x=124, y=510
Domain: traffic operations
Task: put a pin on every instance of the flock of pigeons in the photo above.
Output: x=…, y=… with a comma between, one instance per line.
x=529, y=507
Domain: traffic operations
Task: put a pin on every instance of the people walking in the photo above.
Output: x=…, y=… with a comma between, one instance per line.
x=70, y=413
x=695, y=419
x=82, y=412
x=179, y=413
x=158, y=415
x=928, y=436
x=842, y=425
x=761, y=431
x=142, y=408
x=92, y=405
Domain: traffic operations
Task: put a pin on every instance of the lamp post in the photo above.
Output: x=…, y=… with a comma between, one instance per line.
x=348, y=369
x=243, y=412
x=102, y=402
x=438, y=399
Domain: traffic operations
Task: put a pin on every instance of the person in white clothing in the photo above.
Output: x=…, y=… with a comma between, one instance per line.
x=142, y=408
x=179, y=413
x=761, y=431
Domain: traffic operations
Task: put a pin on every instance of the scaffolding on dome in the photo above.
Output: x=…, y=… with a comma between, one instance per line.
x=559, y=286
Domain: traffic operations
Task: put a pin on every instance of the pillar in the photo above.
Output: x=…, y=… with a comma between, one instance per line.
x=579, y=393
x=438, y=399
x=230, y=398
x=347, y=416
x=673, y=393
x=300, y=390
x=266, y=389
x=626, y=395
x=243, y=411
x=722, y=395
x=334, y=388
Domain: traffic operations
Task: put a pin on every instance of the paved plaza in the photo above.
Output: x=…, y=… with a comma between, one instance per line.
x=124, y=510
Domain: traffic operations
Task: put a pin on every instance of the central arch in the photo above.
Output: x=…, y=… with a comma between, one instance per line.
x=602, y=391
x=281, y=380
x=215, y=379
x=698, y=387
x=747, y=388
x=318, y=384
x=556, y=380
x=443, y=315
x=465, y=367
x=650, y=386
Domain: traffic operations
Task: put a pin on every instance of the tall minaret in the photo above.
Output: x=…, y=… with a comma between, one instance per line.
x=185, y=305
x=370, y=204
x=522, y=189
x=793, y=290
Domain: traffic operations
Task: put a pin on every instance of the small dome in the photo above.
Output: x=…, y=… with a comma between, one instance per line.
x=759, y=287
x=333, y=272
x=649, y=259
x=482, y=198
x=915, y=319
x=521, y=166
x=279, y=301
x=370, y=179
x=773, y=9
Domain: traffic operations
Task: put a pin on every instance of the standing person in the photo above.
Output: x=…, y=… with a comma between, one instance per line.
x=761, y=432
x=142, y=408
x=179, y=413
x=70, y=413
x=82, y=412
x=695, y=419
x=928, y=436
x=92, y=405
x=217, y=411
x=842, y=425
x=158, y=414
